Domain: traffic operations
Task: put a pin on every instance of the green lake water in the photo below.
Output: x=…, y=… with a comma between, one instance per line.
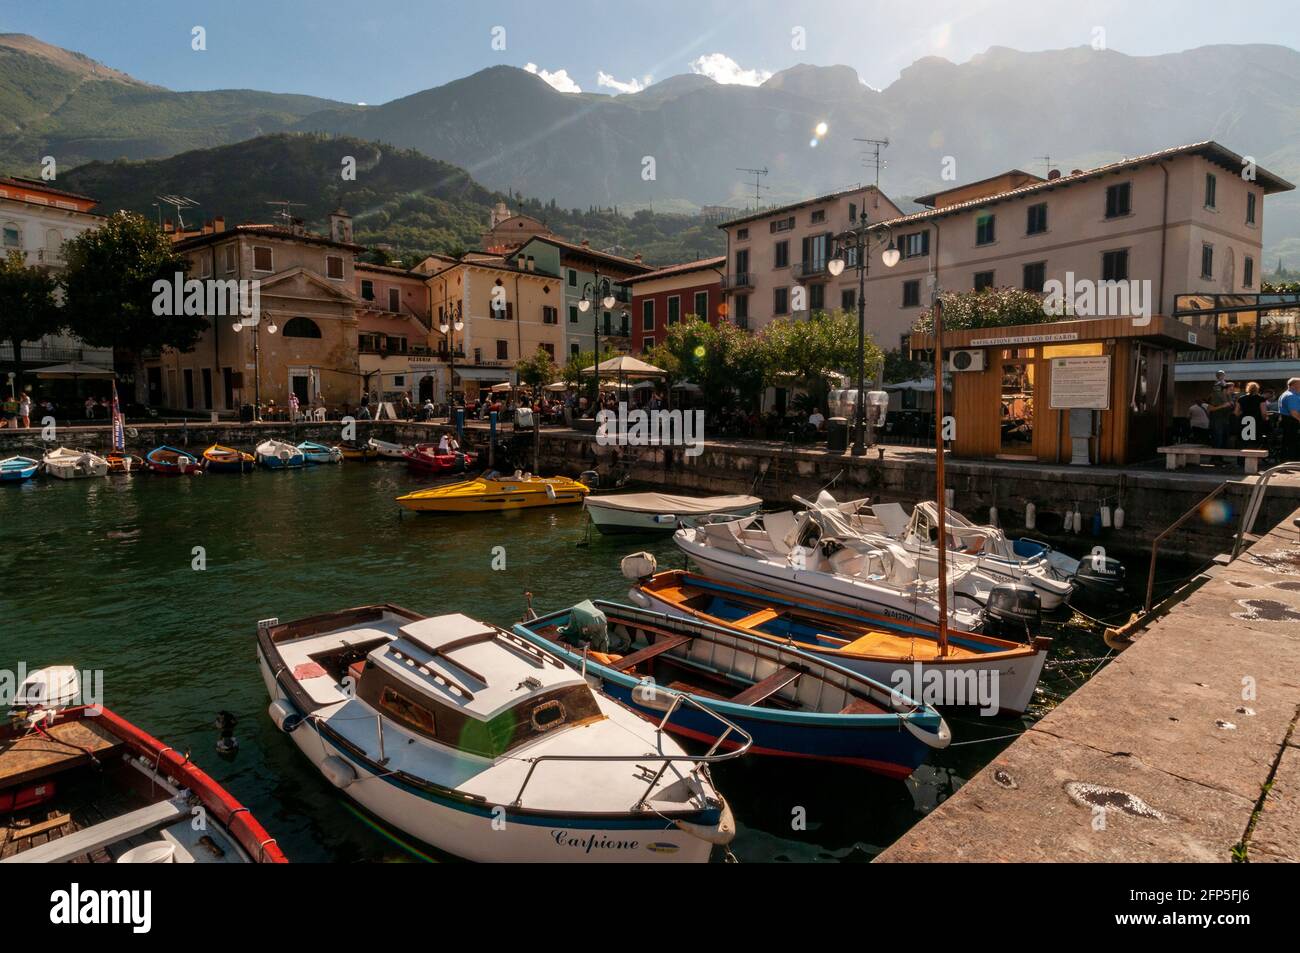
x=99, y=574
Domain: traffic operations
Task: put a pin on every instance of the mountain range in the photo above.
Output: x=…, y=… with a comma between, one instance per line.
x=509, y=129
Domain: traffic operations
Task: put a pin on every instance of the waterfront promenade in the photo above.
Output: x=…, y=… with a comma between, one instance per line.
x=1182, y=749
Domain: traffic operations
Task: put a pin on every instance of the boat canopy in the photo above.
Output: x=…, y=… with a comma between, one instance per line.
x=668, y=503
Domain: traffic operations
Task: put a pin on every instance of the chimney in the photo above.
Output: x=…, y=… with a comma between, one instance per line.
x=341, y=226
x=1076, y=172
x=1053, y=174
x=219, y=223
x=586, y=243
x=637, y=257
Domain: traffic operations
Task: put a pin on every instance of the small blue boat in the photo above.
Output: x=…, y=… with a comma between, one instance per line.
x=17, y=469
x=792, y=704
x=278, y=455
x=169, y=461
x=319, y=453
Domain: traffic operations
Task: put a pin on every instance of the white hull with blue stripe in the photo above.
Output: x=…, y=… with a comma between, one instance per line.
x=461, y=736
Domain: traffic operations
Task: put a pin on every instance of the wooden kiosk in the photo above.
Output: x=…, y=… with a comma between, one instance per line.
x=1090, y=390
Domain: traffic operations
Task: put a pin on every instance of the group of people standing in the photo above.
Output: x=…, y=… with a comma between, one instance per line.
x=1231, y=418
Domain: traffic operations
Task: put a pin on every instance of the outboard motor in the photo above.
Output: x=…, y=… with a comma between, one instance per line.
x=1013, y=610
x=1099, y=581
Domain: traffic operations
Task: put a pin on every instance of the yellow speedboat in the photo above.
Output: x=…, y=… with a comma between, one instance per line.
x=519, y=492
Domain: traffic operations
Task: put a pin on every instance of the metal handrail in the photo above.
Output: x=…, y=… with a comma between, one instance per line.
x=709, y=757
x=1249, y=515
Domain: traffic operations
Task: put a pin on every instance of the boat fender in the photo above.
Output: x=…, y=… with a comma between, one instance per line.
x=640, y=565
x=1078, y=519
x=284, y=715
x=721, y=833
x=1031, y=512
x=938, y=740
x=338, y=772
x=993, y=516
x=1119, y=517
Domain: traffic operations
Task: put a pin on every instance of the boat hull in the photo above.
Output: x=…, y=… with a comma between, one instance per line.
x=18, y=470
x=472, y=829
x=497, y=496
x=616, y=522
x=805, y=584
x=955, y=682
x=228, y=466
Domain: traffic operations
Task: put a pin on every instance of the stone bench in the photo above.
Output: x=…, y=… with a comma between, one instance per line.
x=1183, y=454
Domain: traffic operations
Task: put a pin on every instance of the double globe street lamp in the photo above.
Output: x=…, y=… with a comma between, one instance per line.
x=591, y=291
x=254, y=321
x=450, y=319
x=854, y=247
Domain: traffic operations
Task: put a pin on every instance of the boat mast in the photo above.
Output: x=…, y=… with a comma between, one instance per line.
x=939, y=496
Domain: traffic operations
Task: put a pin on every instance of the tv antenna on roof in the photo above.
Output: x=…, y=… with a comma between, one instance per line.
x=874, y=159
x=758, y=185
x=285, y=213
x=1048, y=161
x=178, y=202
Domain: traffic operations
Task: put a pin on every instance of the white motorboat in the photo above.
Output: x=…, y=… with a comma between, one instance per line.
x=74, y=464
x=661, y=512
x=917, y=535
x=279, y=455
x=468, y=738
x=387, y=451
x=786, y=553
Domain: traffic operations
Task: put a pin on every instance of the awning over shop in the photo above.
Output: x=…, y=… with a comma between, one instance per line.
x=495, y=374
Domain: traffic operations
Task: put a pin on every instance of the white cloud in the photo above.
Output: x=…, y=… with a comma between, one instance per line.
x=559, y=79
x=633, y=85
x=721, y=68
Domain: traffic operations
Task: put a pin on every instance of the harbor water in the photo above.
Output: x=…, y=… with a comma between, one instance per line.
x=160, y=583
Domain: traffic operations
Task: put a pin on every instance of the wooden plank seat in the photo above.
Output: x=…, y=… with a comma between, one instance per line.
x=1182, y=454
x=89, y=839
x=756, y=619
x=769, y=686
x=628, y=662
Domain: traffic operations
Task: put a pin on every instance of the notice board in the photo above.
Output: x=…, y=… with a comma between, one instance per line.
x=1080, y=383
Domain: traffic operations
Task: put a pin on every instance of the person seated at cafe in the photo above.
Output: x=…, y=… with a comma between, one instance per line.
x=1198, y=421
x=815, y=420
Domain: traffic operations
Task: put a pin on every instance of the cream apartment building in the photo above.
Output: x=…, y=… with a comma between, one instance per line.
x=506, y=312
x=1185, y=219
x=772, y=252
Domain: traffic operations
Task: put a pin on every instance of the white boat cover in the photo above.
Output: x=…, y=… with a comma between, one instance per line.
x=657, y=503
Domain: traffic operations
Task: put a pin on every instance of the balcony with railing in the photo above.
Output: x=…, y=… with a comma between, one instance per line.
x=57, y=354
x=1247, y=327
x=741, y=279
x=807, y=269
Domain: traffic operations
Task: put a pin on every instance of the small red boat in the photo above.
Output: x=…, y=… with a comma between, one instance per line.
x=80, y=783
x=425, y=458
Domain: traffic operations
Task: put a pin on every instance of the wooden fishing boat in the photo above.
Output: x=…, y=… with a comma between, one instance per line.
x=425, y=458
x=661, y=512
x=80, y=783
x=315, y=453
x=278, y=455
x=168, y=461
x=74, y=464
x=465, y=737
x=219, y=459
x=17, y=469
x=121, y=462
x=355, y=451
x=792, y=704
x=864, y=642
x=387, y=451
x=485, y=494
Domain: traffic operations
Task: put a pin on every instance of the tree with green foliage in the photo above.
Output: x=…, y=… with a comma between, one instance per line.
x=725, y=362
x=28, y=305
x=109, y=285
x=572, y=374
x=537, y=370
x=990, y=308
x=806, y=352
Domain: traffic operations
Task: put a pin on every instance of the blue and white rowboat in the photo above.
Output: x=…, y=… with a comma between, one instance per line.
x=278, y=455
x=17, y=469
x=320, y=453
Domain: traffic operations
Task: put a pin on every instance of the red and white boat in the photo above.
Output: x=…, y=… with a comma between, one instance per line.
x=426, y=458
x=80, y=783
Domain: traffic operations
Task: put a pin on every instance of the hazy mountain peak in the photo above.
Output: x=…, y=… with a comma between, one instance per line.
x=76, y=63
x=808, y=80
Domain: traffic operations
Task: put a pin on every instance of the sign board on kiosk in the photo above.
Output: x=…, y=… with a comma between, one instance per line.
x=1080, y=383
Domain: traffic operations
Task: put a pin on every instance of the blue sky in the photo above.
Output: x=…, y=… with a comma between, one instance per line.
x=373, y=52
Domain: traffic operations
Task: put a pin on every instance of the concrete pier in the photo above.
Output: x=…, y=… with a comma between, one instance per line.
x=1184, y=748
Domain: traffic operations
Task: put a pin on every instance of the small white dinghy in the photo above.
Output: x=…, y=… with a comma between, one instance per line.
x=279, y=455
x=661, y=512
x=386, y=450
x=471, y=739
x=74, y=464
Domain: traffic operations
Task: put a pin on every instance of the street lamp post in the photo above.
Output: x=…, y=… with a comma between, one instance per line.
x=255, y=321
x=857, y=240
x=451, y=320
x=592, y=296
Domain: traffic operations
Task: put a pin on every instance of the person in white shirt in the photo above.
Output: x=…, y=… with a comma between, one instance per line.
x=1199, y=420
x=25, y=409
x=815, y=419
x=444, y=445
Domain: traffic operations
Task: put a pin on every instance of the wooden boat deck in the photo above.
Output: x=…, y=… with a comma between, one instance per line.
x=63, y=746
